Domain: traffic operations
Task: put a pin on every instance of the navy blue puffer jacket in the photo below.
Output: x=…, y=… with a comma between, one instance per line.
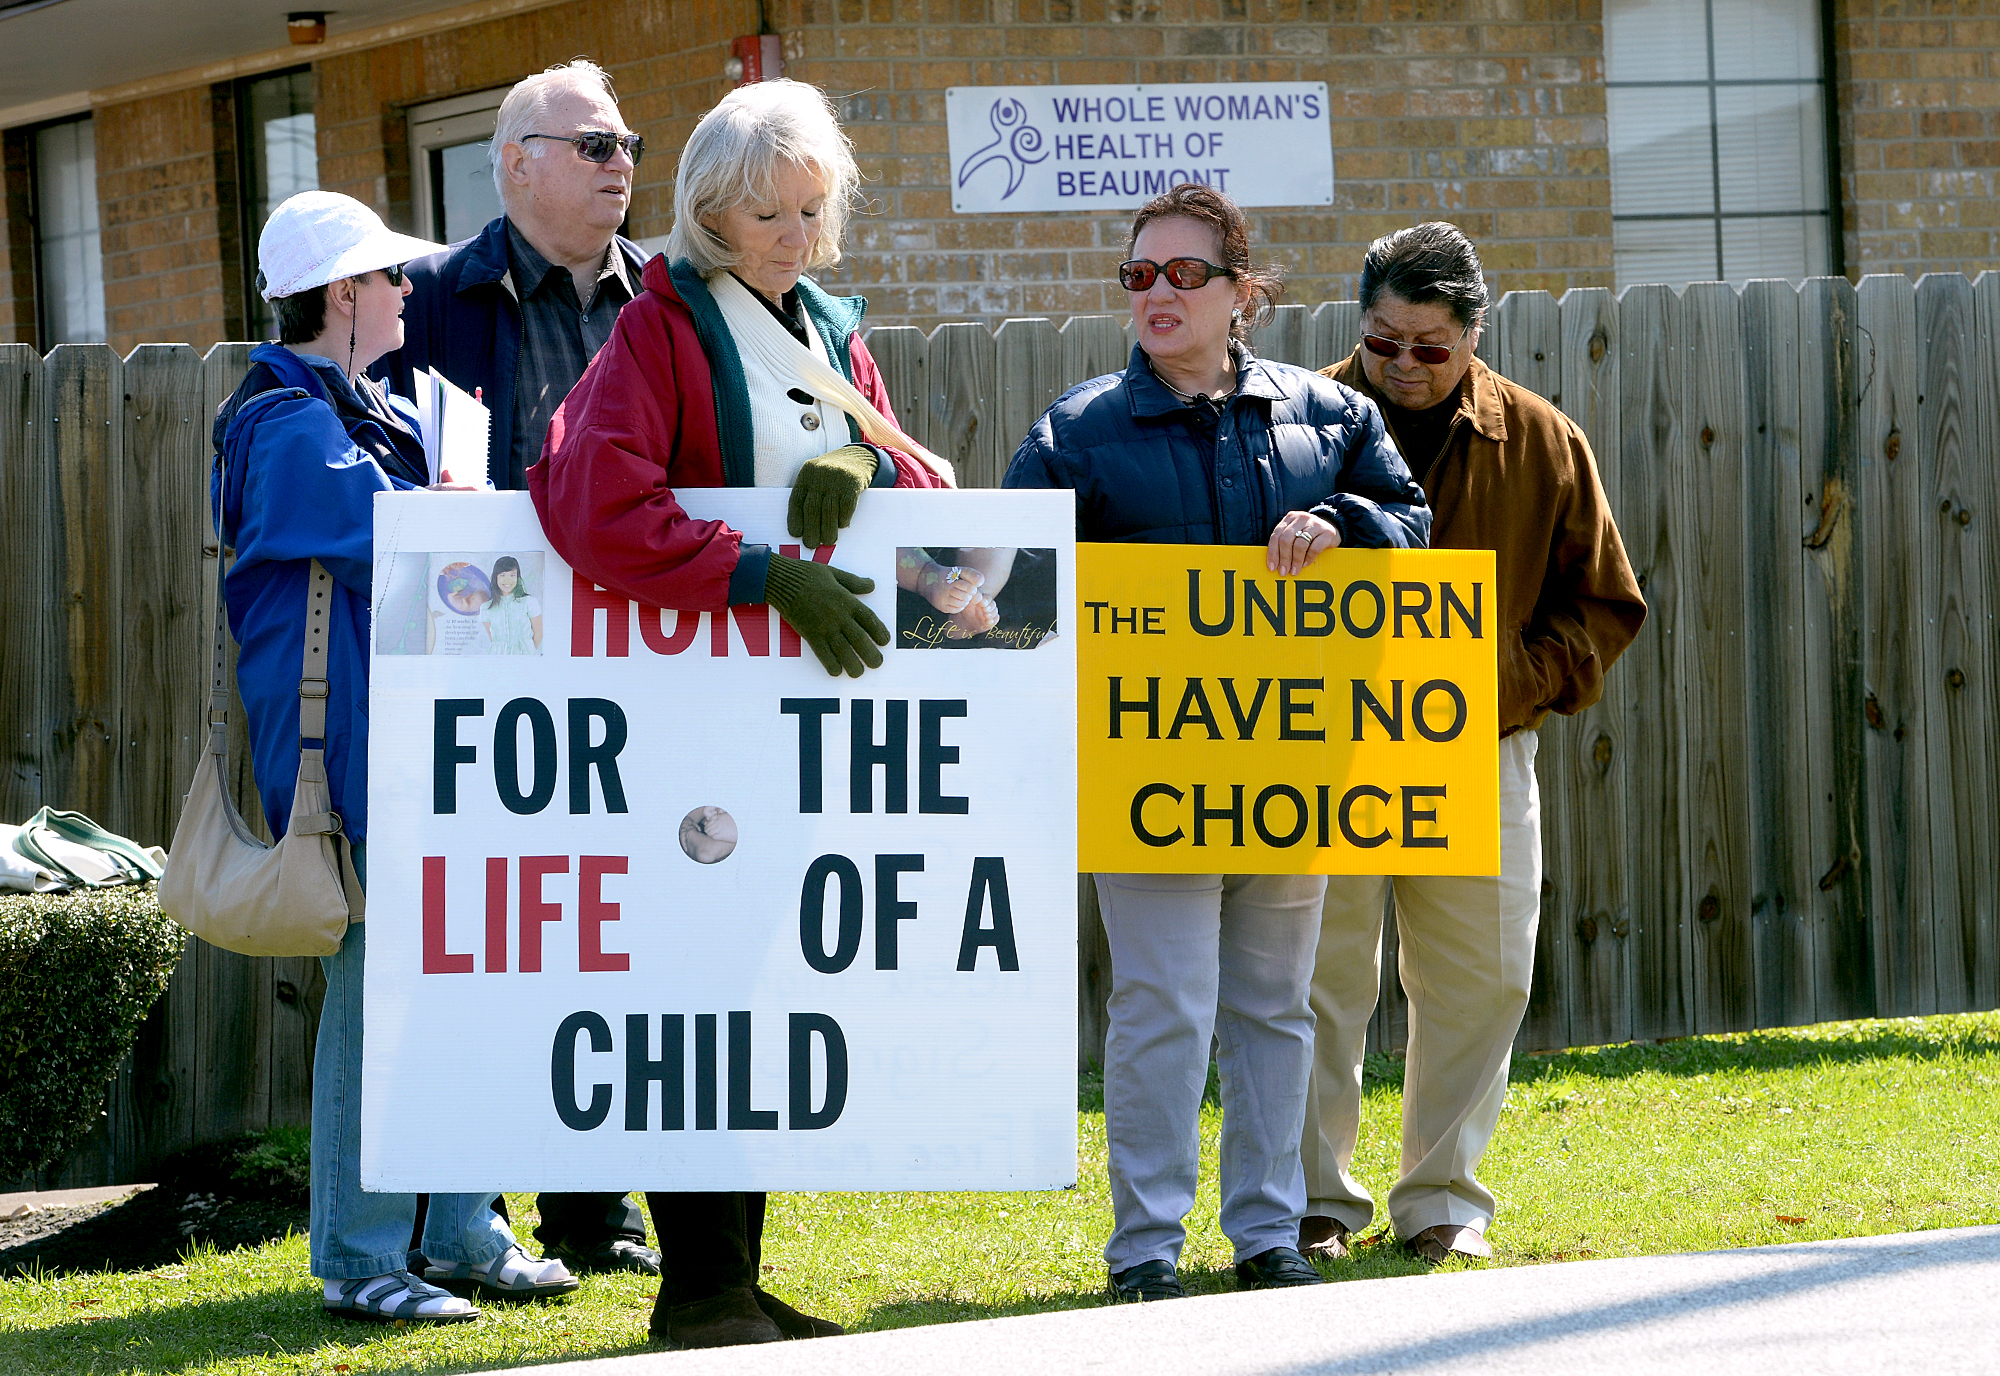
x=1290, y=440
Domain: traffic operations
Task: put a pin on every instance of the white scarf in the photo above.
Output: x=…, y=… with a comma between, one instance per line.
x=756, y=332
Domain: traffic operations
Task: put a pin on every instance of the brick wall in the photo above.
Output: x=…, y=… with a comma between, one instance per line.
x=1917, y=84
x=17, y=243
x=1488, y=113
x=665, y=58
x=166, y=205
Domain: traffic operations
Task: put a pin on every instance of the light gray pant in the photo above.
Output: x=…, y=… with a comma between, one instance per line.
x=1195, y=955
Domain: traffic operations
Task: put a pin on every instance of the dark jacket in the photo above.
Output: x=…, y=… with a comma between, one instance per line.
x=1288, y=441
x=664, y=405
x=1516, y=476
x=464, y=320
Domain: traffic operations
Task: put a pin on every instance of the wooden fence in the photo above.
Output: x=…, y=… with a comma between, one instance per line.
x=1782, y=812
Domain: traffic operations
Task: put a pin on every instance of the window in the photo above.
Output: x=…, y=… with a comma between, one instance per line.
x=280, y=159
x=452, y=191
x=1719, y=146
x=69, y=261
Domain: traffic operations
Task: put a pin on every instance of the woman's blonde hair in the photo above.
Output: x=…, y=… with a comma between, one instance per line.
x=733, y=156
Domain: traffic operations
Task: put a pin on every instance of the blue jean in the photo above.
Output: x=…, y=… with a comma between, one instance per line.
x=356, y=1233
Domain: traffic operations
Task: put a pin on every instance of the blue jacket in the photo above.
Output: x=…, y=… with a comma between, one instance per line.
x=1289, y=440
x=304, y=459
x=463, y=319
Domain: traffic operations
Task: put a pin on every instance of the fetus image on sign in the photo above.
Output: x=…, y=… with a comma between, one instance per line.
x=708, y=834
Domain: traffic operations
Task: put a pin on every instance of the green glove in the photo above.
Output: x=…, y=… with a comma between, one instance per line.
x=818, y=601
x=826, y=491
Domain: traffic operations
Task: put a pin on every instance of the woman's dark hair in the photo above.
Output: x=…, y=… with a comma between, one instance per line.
x=1426, y=263
x=1206, y=205
x=301, y=316
x=507, y=563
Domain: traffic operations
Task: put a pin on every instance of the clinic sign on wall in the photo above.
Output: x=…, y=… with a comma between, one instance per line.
x=1043, y=148
x=653, y=902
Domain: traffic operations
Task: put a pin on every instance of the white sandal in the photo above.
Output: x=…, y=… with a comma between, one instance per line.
x=513, y=1275
x=397, y=1297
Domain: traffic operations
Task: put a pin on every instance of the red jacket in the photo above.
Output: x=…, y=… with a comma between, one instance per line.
x=664, y=406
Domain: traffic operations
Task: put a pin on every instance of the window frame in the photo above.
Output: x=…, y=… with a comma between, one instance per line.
x=248, y=229
x=44, y=333
x=434, y=126
x=1716, y=216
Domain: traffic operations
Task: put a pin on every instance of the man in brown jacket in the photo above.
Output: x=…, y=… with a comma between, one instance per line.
x=1505, y=471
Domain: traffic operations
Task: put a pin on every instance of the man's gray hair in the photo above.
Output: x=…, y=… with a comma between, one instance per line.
x=529, y=101
x=733, y=156
x=1426, y=263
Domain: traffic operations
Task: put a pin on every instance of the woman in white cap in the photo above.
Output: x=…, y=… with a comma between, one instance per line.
x=303, y=447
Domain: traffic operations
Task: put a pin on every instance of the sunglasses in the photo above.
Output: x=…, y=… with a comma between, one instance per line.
x=1186, y=274
x=1384, y=347
x=598, y=144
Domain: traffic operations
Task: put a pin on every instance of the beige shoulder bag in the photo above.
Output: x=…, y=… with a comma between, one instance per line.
x=222, y=883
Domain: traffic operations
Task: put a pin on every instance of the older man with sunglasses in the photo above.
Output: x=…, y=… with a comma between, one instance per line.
x=1503, y=470
x=517, y=312
x=519, y=309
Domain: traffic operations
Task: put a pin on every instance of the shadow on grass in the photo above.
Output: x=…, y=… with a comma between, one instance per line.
x=1775, y=1049
x=203, y=1334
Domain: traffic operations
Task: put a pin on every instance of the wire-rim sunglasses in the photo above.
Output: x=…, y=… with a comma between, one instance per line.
x=597, y=145
x=1186, y=274
x=1433, y=354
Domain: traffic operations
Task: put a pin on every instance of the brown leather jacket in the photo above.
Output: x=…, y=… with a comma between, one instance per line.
x=1516, y=476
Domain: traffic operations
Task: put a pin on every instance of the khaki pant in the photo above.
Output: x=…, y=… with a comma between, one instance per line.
x=1466, y=954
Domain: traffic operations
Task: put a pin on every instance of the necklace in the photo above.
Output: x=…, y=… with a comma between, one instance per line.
x=1200, y=398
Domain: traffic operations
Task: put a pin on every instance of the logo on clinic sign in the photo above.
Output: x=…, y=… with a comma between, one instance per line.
x=1017, y=145
x=1021, y=149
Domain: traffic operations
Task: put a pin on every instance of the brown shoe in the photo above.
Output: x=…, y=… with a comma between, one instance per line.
x=729, y=1319
x=1323, y=1239
x=791, y=1322
x=1445, y=1240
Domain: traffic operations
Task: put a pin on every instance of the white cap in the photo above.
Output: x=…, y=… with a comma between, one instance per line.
x=318, y=237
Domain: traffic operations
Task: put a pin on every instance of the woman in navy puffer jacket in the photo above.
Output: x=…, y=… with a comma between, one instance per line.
x=1198, y=442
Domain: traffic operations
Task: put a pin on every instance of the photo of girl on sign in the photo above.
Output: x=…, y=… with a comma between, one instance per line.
x=461, y=604
x=966, y=598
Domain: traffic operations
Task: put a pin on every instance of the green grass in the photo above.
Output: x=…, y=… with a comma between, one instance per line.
x=1835, y=1131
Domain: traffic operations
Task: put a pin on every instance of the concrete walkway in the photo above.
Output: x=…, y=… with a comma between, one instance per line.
x=1906, y=1301
x=12, y=1205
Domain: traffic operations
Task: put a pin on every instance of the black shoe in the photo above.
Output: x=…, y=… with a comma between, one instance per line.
x=1149, y=1280
x=1275, y=1270
x=612, y=1254
x=791, y=1322
x=729, y=1319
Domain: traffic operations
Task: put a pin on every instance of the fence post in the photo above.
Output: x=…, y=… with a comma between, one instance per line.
x=1983, y=439
x=1583, y=802
x=1028, y=374
x=1711, y=655
x=1957, y=651
x=1841, y=857
x=1651, y=355
x=24, y=572
x=1777, y=521
x=960, y=395
x=1893, y=509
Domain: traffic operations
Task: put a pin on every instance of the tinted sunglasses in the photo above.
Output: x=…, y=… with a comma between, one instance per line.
x=1186, y=274
x=394, y=272
x=598, y=144
x=1384, y=347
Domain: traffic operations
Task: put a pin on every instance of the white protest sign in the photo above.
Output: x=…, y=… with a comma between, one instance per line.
x=654, y=903
x=1042, y=148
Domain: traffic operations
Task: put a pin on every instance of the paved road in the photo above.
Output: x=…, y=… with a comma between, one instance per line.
x=1906, y=1301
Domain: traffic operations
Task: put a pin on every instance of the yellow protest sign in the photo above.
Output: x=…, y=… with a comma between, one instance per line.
x=1345, y=721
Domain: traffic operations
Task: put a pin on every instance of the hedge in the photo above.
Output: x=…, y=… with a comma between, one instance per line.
x=78, y=972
